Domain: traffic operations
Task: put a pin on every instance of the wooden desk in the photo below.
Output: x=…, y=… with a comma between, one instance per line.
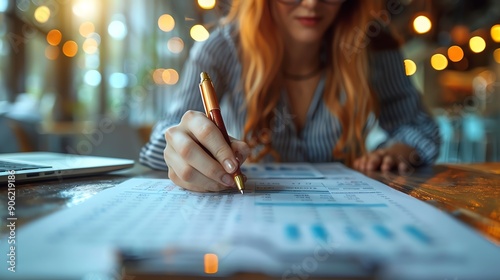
x=469, y=192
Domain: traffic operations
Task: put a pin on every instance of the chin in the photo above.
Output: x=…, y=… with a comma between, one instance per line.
x=308, y=38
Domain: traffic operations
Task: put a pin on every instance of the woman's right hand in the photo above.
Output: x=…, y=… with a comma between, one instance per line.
x=187, y=154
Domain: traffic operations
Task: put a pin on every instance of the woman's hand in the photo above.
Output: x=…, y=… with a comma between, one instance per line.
x=398, y=156
x=187, y=154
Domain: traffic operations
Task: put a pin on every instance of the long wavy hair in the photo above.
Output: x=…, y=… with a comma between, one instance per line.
x=261, y=53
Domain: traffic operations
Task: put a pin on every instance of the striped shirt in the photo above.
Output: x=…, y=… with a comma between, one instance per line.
x=402, y=114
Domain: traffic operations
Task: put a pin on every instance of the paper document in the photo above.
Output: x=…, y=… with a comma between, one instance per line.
x=280, y=171
x=317, y=225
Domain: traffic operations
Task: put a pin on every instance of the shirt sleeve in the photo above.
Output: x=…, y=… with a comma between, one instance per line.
x=204, y=56
x=402, y=113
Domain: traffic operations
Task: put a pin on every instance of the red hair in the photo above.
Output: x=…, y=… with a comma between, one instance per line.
x=346, y=69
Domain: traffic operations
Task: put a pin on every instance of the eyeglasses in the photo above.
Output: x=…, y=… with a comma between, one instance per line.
x=297, y=2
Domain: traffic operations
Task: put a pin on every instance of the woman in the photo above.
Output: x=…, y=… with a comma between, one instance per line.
x=293, y=88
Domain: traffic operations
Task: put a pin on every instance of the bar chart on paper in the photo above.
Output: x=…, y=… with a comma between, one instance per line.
x=350, y=215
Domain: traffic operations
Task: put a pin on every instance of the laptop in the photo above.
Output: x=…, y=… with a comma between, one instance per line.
x=36, y=166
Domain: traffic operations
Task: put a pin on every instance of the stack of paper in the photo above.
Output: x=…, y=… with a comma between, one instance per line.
x=341, y=224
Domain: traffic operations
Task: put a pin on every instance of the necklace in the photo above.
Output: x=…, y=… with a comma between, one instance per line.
x=290, y=76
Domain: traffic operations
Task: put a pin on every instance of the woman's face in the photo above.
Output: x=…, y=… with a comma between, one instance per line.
x=305, y=22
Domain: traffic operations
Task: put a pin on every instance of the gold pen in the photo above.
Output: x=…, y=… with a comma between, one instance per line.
x=212, y=110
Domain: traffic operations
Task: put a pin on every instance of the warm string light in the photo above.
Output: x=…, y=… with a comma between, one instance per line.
x=410, y=67
x=422, y=24
x=495, y=33
x=460, y=34
x=175, y=45
x=439, y=62
x=54, y=37
x=455, y=53
x=206, y=4
x=166, y=23
x=91, y=43
x=477, y=44
x=70, y=48
x=165, y=76
x=496, y=55
x=86, y=29
x=199, y=33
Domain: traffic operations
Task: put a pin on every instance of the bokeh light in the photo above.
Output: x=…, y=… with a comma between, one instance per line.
x=477, y=44
x=495, y=33
x=410, y=67
x=170, y=77
x=199, y=33
x=439, y=62
x=118, y=80
x=422, y=24
x=70, y=48
x=157, y=76
x=166, y=23
x=92, y=78
x=52, y=52
x=206, y=4
x=211, y=263
x=90, y=46
x=117, y=29
x=54, y=37
x=85, y=8
x=496, y=55
x=42, y=14
x=175, y=45
x=96, y=37
x=4, y=5
x=86, y=29
x=455, y=53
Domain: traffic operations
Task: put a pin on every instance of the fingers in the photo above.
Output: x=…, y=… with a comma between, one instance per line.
x=381, y=160
x=187, y=156
x=371, y=161
x=209, y=136
x=187, y=176
x=388, y=162
x=189, y=150
x=403, y=167
x=241, y=150
x=209, y=187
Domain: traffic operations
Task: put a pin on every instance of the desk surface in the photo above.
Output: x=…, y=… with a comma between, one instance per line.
x=471, y=193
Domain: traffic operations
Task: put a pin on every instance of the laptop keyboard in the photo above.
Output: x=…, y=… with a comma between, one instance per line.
x=8, y=166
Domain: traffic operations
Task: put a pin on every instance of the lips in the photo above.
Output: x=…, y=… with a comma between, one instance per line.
x=308, y=21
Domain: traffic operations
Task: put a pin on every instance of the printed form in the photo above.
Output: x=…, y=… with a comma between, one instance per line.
x=277, y=223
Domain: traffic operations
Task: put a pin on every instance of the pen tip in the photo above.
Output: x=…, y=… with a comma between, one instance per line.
x=239, y=183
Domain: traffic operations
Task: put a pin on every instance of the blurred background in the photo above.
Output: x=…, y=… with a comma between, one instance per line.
x=93, y=76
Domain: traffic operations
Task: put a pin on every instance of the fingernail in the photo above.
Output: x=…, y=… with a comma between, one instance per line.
x=228, y=180
x=229, y=166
